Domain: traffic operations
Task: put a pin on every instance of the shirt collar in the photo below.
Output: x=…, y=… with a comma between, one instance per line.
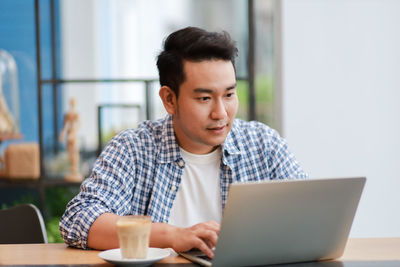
x=169, y=149
x=233, y=144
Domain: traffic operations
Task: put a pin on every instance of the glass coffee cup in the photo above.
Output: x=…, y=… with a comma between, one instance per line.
x=134, y=236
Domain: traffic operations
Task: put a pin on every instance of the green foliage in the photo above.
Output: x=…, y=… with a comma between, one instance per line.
x=56, y=200
x=265, y=96
x=107, y=136
x=53, y=234
x=25, y=198
x=242, y=89
x=264, y=85
x=264, y=93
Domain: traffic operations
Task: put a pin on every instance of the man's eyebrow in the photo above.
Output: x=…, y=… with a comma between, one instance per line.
x=203, y=90
x=231, y=87
x=209, y=91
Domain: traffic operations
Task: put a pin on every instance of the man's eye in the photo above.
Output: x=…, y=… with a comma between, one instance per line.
x=230, y=94
x=205, y=98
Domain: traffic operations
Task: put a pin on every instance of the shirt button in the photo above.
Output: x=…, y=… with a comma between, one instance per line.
x=173, y=188
x=181, y=163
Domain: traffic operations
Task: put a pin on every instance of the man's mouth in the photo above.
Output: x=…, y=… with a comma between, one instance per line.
x=217, y=129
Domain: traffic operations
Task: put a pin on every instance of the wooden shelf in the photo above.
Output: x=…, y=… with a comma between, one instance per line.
x=59, y=182
x=6, y=182
x=43, y=181
x=9, y=136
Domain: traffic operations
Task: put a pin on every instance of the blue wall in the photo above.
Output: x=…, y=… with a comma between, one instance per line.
x=17, y=36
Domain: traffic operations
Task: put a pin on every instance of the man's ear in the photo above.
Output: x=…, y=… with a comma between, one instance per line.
x=168, y=98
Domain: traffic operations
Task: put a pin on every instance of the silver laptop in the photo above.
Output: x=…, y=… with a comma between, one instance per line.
x=284, y=222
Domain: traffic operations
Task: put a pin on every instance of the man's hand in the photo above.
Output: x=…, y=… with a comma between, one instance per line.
x=202, y=236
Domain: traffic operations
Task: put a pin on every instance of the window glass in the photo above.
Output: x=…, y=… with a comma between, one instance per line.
x=265, y=61
x=121, y=39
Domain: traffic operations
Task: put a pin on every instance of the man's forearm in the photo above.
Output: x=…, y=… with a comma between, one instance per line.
x=103, y=232
x=161, y=235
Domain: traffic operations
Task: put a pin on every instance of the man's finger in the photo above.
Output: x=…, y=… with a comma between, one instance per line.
x=209, y=225
x=201, y=245
x=209, y=244
x=208, y=235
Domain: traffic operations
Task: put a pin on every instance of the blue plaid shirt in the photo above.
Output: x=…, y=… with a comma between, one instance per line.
x=140, y=170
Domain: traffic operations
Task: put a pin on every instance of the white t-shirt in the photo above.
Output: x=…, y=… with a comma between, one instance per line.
x=199, y=196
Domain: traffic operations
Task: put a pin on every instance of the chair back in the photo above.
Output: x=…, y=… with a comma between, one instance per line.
x=22, y=224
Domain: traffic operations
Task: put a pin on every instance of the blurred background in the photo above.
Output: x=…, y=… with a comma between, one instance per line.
x=325, y=74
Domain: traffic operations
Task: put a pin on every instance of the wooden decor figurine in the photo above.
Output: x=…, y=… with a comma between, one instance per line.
x=70, y=128
x=7, y=124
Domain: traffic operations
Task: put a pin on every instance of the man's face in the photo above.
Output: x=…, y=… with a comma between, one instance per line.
x=206, y=106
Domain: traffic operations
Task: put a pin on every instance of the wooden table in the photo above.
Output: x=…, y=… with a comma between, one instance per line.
x=357, y=250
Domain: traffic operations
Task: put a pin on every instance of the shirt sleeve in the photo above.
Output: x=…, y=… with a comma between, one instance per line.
x=108, y=189
x=282, y=162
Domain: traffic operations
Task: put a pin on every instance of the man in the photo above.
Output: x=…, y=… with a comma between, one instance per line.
x=178, y=169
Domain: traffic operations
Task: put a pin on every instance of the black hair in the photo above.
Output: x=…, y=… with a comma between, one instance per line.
x=192, y=44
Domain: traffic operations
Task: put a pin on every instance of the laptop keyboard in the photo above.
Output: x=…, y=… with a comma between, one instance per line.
x=198, y=254
x=204, y=257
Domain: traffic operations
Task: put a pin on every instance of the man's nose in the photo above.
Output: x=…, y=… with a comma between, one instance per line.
x=219, y=111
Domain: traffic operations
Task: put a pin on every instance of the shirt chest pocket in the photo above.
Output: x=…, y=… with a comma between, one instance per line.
x=166, y=182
